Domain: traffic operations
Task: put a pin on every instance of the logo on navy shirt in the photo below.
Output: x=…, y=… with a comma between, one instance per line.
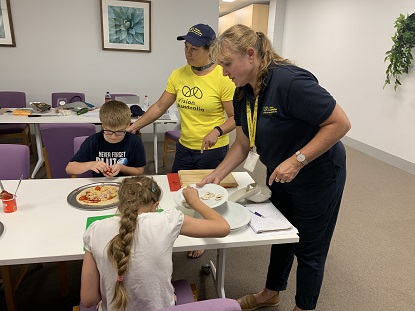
x=269, y=110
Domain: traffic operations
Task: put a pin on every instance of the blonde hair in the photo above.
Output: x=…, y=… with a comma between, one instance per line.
x=238, y=39
x=115, y=114
x=136, y=194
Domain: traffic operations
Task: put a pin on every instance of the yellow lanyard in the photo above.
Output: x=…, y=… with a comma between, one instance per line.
x=252, y=121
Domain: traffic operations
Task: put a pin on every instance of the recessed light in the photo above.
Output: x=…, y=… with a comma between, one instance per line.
x=228, y=0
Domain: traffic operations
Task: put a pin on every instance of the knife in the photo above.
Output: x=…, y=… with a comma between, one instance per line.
x=42, y=115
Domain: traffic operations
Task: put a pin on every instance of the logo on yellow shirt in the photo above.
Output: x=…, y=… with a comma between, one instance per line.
x=194, y=91
x=269, y=110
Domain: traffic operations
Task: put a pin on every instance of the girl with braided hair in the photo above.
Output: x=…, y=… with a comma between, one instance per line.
x=128, y=259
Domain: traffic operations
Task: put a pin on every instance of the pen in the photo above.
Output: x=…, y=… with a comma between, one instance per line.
x=256, y=213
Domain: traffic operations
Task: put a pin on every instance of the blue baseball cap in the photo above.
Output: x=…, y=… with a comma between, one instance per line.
x=199, y=35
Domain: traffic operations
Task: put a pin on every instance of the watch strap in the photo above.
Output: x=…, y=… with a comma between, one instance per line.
x=304, y=161
x=219, y=129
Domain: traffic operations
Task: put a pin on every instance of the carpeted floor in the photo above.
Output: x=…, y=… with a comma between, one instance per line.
x=370, y=265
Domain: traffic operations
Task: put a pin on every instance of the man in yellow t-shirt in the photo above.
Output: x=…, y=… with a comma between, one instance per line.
x=204, y=100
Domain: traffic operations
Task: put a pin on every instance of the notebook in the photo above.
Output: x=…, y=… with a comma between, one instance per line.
x=269, y=223
x=272, y=219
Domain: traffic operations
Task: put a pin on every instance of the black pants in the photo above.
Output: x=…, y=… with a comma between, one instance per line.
x=189, y=159
x=311, y=203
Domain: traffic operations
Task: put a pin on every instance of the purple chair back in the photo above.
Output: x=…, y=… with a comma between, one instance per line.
x=12, y=99
x=69, y=96
x=58, y=141
x=15, y=161
x=77, y=142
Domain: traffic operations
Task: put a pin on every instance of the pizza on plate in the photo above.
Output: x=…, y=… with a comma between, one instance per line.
x=98, y=195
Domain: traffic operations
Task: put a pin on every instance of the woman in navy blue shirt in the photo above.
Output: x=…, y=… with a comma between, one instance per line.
x=295, y=126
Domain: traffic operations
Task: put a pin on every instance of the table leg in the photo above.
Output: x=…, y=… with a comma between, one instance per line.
x=219, y=272
x=156, y=170
x=40, y=158
x=6, y=274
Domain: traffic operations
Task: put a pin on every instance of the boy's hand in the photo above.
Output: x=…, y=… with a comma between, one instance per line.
x=99, y=167
x=113, y=170
x=191, y=195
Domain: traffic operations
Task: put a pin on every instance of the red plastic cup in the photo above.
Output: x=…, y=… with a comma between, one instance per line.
x=9, y=205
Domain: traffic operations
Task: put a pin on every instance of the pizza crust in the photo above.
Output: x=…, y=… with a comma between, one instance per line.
x=98, y=196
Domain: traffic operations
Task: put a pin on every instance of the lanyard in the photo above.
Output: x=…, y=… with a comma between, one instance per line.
x=252, y=119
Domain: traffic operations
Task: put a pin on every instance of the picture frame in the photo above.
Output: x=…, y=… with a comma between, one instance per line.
x=126, y=25
x=6, y=25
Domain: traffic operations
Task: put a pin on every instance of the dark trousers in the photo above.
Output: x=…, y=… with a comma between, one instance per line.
x=189, y=159
x=311, y=204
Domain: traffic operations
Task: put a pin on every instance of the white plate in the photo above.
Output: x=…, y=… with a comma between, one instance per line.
x=235, y=214
x=213, y=188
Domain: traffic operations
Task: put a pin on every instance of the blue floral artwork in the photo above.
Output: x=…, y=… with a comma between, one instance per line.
x=2, y=32
x=126, y=25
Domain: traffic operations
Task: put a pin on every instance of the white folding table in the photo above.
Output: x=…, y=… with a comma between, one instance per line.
x=45, y=228
x=89, y=117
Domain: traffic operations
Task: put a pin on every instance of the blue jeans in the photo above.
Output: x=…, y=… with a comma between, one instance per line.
x=189, y=159
x=311, y=204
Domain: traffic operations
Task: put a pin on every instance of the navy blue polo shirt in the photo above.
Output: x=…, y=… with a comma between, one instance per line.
x=291, y=106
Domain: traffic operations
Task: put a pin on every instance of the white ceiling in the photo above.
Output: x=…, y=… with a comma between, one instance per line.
x=228, y=7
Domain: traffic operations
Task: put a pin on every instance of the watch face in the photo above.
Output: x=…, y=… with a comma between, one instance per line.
x=301, y=157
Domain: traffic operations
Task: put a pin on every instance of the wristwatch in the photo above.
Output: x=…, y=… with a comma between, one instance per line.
x=219, y=129
x=301, y=158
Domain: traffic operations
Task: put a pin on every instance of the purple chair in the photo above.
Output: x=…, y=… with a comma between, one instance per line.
x=183, y=292
x=58, y=140
x=69, y=97
x=13, y=131
x=170, y=140
x=15, y=161
x=77, y=142
x=219, y=304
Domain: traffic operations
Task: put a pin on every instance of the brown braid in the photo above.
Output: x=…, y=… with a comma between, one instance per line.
x=238, y=39
x=136, y=194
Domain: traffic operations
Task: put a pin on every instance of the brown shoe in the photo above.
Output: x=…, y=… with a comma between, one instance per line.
x=249, y=303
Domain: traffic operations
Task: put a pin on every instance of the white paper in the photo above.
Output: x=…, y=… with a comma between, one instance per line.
x=273, y=219
x=251, y=161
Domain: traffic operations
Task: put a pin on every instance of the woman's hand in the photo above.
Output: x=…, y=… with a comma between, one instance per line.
x=210, y=140
x=286, y=171
x=212, y=178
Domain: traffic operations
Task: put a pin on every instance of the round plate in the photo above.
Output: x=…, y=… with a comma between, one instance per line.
x=1, y=228
x=72, y=197
x=212, y=188
x=235, y=214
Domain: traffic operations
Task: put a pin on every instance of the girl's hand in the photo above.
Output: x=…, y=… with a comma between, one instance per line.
x=190, y=195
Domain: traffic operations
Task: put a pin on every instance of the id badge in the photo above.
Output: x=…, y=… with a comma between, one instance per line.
x=251, y=161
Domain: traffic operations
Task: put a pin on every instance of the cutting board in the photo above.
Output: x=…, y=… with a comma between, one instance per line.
x=188, y=177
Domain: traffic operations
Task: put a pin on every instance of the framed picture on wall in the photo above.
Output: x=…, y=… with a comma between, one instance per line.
x=6, y=24
x=125, y=25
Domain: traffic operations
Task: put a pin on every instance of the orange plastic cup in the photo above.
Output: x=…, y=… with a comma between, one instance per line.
x=9, y=205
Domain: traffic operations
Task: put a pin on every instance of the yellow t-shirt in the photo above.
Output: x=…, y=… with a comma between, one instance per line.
x=199, y=101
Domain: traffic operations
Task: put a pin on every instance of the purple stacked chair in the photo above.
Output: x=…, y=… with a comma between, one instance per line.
x=170, y=140
x=13, y=131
